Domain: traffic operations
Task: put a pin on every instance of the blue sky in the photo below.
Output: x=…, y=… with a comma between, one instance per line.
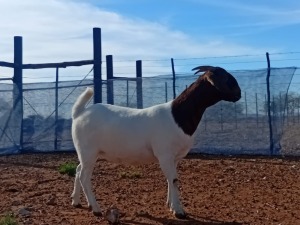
x=266, y=25
x=188, y=31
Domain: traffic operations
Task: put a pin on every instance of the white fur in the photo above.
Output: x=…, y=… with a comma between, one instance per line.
x=129, y=136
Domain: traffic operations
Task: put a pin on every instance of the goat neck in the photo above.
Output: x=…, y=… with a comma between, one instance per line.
x=189, y=106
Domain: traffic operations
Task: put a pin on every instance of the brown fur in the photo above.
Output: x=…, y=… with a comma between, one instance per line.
x=189, y=106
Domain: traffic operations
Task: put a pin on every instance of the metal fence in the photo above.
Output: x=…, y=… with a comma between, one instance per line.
x=36, y=117
x=226, y=128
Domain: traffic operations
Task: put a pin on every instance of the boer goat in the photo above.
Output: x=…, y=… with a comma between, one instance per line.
x=162, y=133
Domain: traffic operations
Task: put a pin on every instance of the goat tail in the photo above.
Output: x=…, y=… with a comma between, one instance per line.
x=81, y=102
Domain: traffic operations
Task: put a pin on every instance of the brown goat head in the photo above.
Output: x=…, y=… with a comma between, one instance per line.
x=223, y=81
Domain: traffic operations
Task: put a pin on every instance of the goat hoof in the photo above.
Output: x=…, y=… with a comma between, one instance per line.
x=78, y=206
x=95, y=213
x=180, y=215
x=99, y=214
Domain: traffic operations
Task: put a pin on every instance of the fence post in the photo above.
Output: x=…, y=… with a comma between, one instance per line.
x=273, y=110
x=221, y=115
x=246, y=106
x=97, y=65
x=18, y=85
x=110, y=77
x=256, y=107
x=269, y=105
x=235, y=115
x=298, y=116
x=166, y=91
x=174, y=78
x=56, y=110
x=205, y=121
x=287, y=108
x=127, y=93
x=281, y=107
x=293, y=111
x=139, y=87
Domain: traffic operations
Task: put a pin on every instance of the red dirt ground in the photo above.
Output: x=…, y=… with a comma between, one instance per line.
x=214, y=190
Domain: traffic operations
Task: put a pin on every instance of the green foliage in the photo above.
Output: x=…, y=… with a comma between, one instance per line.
x=130, y=174
x=68, y=168
x=8, y=219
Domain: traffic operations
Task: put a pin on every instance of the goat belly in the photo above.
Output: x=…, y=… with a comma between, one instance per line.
x=124, y=155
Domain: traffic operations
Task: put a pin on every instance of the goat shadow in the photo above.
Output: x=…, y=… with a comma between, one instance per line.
x=191, y=220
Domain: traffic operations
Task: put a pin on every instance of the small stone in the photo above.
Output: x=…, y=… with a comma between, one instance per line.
x=112, y=215
x=24, y=212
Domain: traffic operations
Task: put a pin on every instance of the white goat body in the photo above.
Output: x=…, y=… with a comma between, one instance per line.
x=162, y=133
x=129, y=136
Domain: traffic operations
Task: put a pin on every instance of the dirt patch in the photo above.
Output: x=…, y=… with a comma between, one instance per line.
x=214, y=190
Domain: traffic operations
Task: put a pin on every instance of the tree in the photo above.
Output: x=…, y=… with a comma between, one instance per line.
x=284, y=103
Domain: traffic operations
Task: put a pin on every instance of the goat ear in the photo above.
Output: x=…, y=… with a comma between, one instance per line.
x=202, y=69
x=218, y=80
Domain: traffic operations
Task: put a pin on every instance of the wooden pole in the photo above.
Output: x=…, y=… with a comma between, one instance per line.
x=235, y=115
x=246, y=106
x=139, y=85
x=269, y=105
x=281, y=107
x=166, y=91
x=18, y=86
x=298, y=116
x=97, y=65
x=256, y=107
x=127, y=93
x=174, y=78
x=110, y=77
x=56, y=110
x=221, y=115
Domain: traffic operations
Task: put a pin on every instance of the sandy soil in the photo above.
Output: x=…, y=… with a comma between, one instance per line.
x=214, y=190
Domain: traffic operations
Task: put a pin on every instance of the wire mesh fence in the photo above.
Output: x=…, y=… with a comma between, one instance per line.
x=35, y=106
x=226, y=128
x=10, y=120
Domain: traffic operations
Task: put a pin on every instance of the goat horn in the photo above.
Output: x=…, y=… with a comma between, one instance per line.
x=202, y=68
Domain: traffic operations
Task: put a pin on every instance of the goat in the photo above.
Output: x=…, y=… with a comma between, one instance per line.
x=162, y=133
